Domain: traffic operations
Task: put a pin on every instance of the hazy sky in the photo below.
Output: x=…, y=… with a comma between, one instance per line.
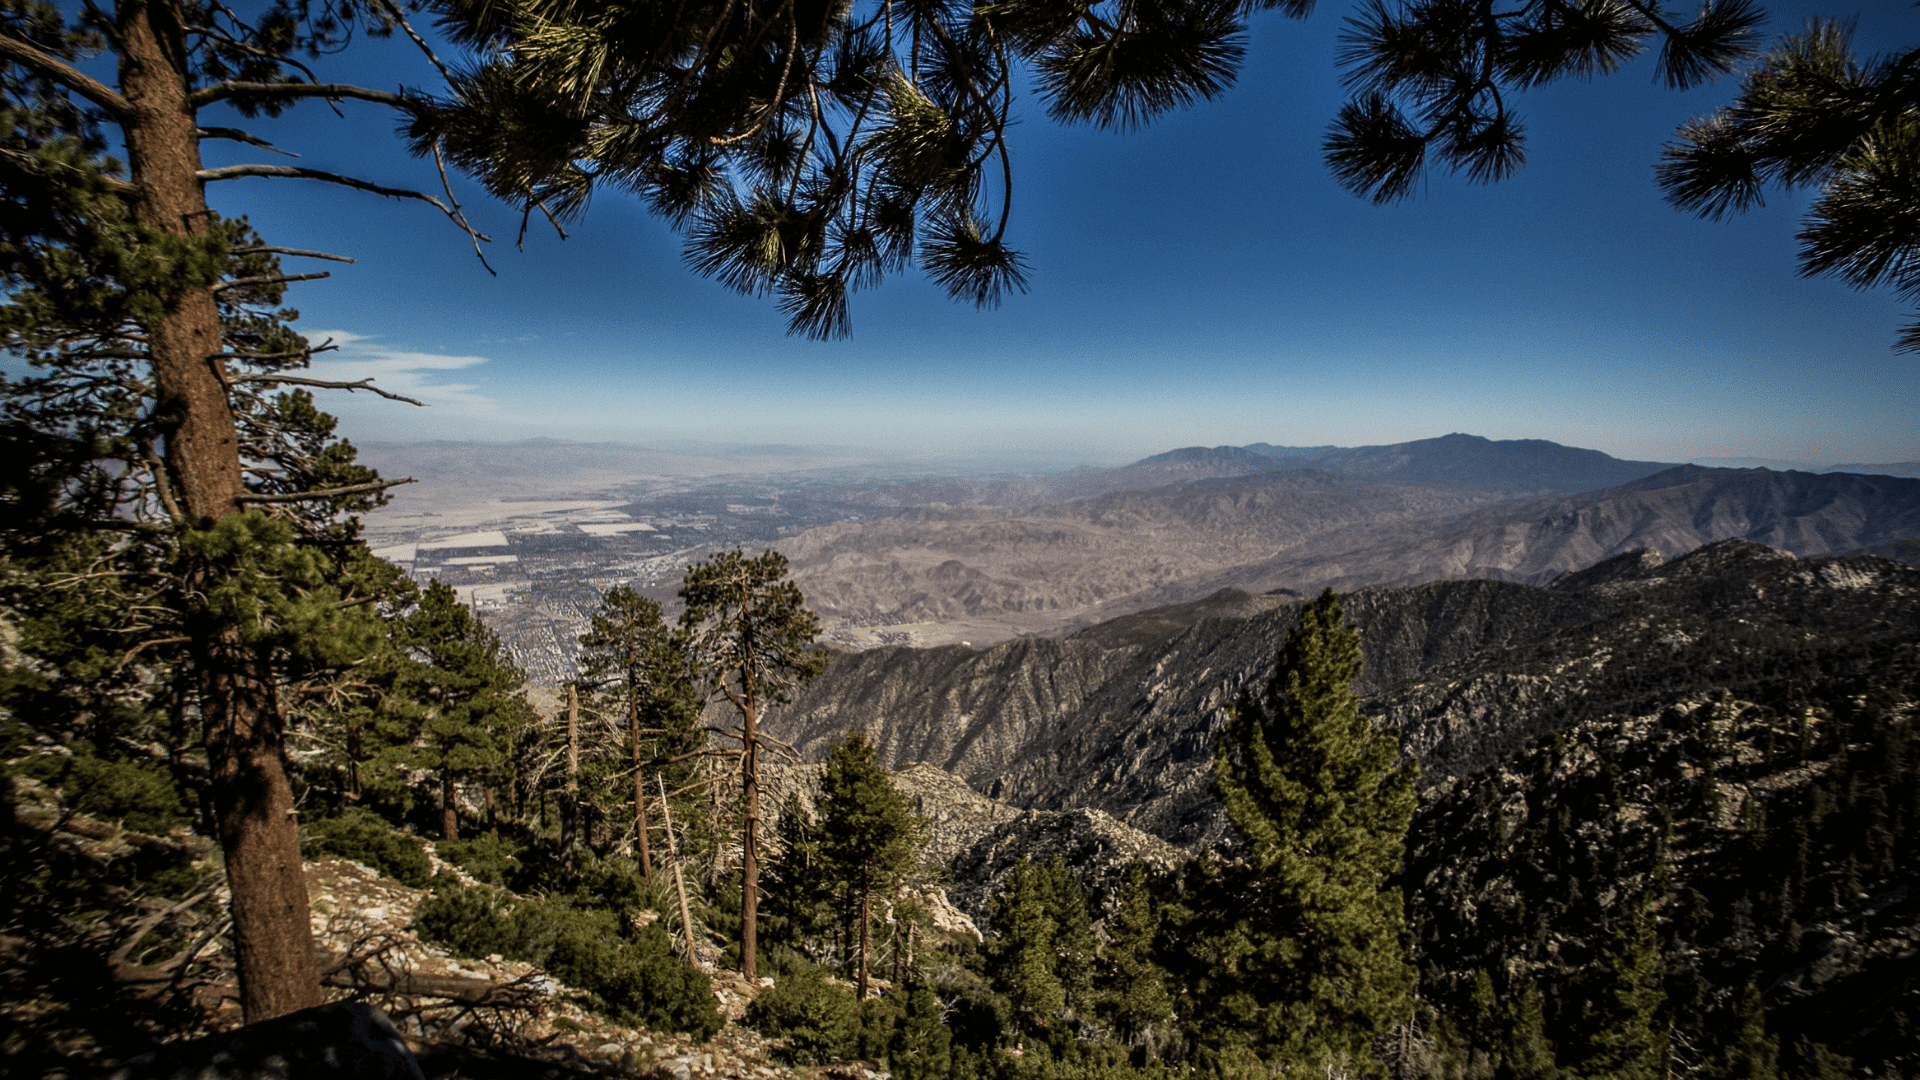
x=1202, y=282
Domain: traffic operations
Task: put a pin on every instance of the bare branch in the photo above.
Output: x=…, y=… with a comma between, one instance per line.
x=131, y=653
x=258, y=248
x=393, y=12
x=330, y=91
x=459, y=216
x=326, y=384
x=322, y=493
x=52, y=67
x=274, y=279
x=236, y=135
x=235, y=172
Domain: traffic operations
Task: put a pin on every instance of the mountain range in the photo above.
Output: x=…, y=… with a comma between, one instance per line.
x=1254, y=518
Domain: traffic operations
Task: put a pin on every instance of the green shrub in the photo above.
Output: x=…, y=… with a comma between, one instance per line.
x=632, y=974
x=467, y=922
x=494, y=860
x=140, y=795
x=818, y=1019
x=364, y=837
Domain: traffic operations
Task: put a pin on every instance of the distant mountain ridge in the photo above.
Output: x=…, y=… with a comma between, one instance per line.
x=984, y=574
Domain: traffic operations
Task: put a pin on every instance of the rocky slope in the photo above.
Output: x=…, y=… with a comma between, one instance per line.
x=1772, y=843
x=1122, y=718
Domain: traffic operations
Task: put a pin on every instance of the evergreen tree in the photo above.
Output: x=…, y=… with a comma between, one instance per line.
x=1073, y=945
x=1133, y=986
x=1747, y=1051
x=869, y=838
x=467, y=698
x=798, y=894
x=1526, y=1053
x=750, y=639
x=629, y=649
x=921, y=1047
x=155, y=323
x=1317, y=968
x=1024, y=957
x=1625, y=1035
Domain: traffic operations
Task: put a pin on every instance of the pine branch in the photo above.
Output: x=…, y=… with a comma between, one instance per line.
x=236, y=135
x=58, y=70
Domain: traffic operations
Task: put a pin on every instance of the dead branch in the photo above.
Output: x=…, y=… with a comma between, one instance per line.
x=326, y=384
x=257, y=248
x=274, y=279
x=324, y=493
x=330, y=91
x=236, y=172
x=236, y=135
x=145, y=926
x=131, y=653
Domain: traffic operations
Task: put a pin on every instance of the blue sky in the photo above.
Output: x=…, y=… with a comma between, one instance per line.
x=1201, y=282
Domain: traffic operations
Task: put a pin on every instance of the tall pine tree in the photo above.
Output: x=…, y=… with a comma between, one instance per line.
x=631, y=651
x=466, y=695
x=869, y=837
x=1323, y=801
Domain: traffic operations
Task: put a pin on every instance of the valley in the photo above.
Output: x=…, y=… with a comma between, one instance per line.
x=902, y=554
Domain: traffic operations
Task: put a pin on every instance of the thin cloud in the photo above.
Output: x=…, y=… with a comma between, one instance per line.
x=411, y=374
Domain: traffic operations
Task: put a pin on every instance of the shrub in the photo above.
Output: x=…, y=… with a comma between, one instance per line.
x=631, y=974
x=467, y=922
x=818, y=1019
x=491, y=859
x=363, y=836
x=140, y=795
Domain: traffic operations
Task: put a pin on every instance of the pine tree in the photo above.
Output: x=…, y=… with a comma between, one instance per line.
x=1133, y=986
x=921, y=1047
x=467, y=697
x=1526, y=1053
x=142, y=306
x=1024, y=956
x=1073, y=945
x=750, y=638
x=1625, y=1036
x=869, y=837
x=629, y=649
x=1323, y=802
x=1747, y=1051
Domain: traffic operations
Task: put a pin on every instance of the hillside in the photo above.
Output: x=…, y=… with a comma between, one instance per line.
x=1122, y=718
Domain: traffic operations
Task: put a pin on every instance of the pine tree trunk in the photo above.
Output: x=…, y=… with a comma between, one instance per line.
x=750, y=847
x=449, y=808
x=253, y=803
x=866, y=930
x=639, y=797
x=570, y=813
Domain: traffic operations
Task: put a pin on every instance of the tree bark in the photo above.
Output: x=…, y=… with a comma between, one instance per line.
x=253, y=803
x=449, y=808
x=866, y=929
x=570, y=812
x=750, y=844
x=639, y=793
